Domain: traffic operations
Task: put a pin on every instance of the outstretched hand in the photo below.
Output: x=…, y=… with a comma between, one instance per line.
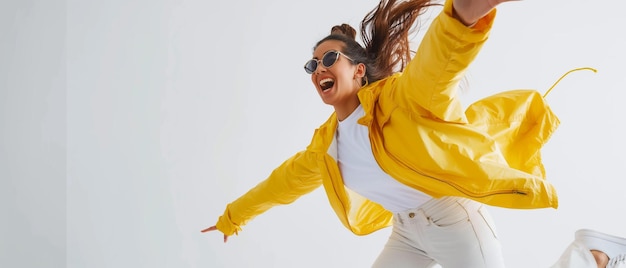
x=213, y=228
x=470, y=11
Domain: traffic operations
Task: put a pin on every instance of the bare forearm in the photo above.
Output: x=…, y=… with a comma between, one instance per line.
x=470, y=11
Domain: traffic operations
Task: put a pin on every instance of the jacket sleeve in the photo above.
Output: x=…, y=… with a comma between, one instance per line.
x=429, y=82
x=295, y=177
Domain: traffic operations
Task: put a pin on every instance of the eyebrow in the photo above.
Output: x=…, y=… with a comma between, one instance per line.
x=325, y=53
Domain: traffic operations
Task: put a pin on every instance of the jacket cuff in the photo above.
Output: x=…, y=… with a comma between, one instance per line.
x=474, y=33
x=226, y=225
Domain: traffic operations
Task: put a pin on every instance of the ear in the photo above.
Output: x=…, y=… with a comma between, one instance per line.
x=360, y=71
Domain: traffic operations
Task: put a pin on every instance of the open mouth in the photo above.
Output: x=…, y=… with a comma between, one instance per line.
x=326, y=83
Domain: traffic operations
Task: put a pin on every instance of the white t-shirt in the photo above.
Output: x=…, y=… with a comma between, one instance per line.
x=361, y=172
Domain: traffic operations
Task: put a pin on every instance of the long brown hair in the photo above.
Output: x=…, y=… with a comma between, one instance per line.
x=385, y=34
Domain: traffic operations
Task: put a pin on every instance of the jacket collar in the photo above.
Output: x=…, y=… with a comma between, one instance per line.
x=369, y=95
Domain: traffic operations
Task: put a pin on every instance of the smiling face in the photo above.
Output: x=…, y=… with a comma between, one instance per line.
x=338, y=84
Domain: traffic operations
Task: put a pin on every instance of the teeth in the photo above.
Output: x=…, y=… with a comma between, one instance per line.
x=326, y=80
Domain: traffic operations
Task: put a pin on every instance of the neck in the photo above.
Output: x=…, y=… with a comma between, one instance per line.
x=346, y=109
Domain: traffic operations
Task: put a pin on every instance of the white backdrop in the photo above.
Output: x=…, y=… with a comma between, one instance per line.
x=166, y=110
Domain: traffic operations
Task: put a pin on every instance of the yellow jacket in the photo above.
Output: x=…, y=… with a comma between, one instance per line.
x=422, y=137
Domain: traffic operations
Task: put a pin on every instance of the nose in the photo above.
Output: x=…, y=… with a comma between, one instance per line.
x=320, y=68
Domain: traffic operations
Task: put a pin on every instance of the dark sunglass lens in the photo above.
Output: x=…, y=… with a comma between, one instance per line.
x=330, y=58
x=310, y=66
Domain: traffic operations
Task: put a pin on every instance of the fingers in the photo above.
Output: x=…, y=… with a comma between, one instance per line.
x=212, y=228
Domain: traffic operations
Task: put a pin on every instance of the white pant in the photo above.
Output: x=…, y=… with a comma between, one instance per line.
x=576, y=256
x=451, y=231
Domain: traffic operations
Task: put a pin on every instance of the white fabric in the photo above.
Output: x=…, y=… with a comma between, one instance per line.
x=362, y=174
x=576, y=255
x=617, y=262
x=611, y=245
x=449, y=232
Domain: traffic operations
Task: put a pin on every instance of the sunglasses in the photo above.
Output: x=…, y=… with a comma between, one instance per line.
x=327, y=60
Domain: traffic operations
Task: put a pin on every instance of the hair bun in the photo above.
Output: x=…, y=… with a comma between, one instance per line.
x=344, y=29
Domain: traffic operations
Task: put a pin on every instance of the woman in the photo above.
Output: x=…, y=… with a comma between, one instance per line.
x=400, y=150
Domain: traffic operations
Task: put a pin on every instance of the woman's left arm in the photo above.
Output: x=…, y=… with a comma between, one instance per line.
x=429, y=82
x=470, y=11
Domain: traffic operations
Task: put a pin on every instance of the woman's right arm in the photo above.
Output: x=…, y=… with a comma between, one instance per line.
x=295, y=177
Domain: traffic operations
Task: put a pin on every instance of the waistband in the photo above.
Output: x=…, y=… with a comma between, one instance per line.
x=436, y=208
